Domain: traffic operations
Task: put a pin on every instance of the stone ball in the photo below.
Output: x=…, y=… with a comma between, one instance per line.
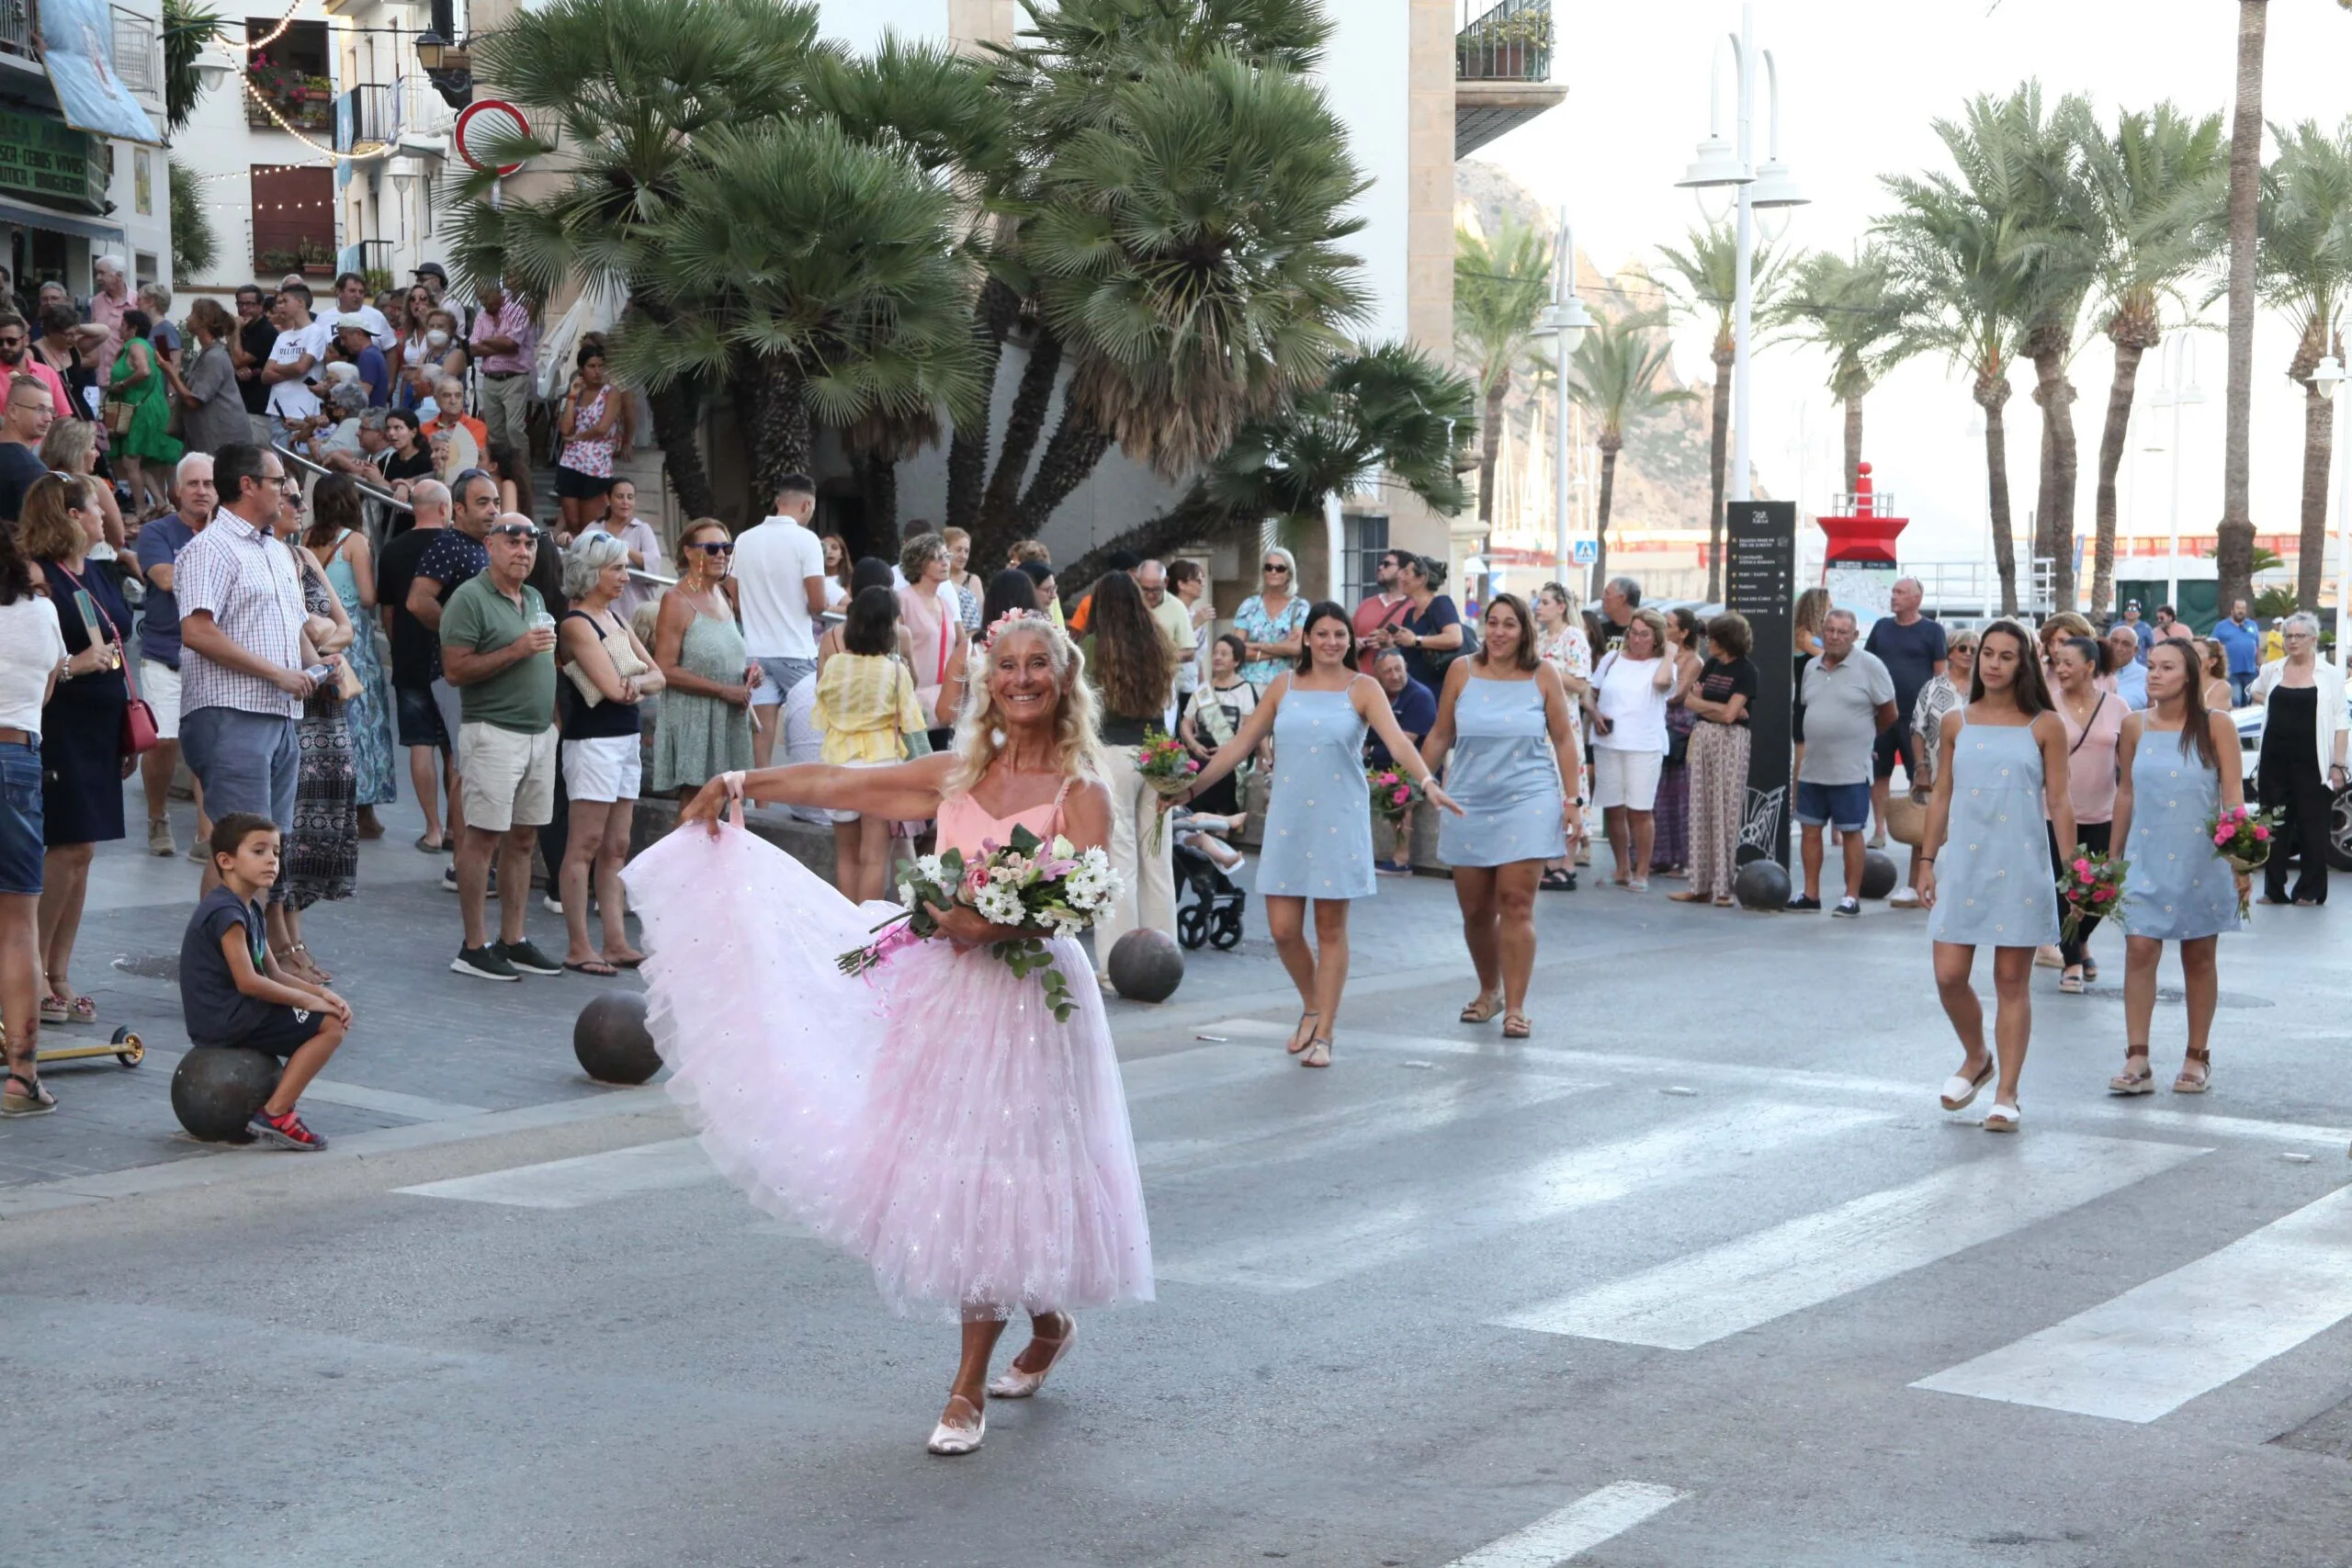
x=1145, y=965
x=612, y=1042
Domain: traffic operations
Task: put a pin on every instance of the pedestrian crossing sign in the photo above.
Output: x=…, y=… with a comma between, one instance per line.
x=1588, y=551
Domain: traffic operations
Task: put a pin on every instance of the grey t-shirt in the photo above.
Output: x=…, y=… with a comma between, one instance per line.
x=1841, y=717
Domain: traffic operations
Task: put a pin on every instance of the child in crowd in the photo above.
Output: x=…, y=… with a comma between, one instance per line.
x=233, y=991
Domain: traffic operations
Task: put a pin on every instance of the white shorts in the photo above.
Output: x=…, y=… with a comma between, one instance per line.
x=840, y=817
x=1620, y=778
x=507, y=779
x=604, y=769
x=160, y=684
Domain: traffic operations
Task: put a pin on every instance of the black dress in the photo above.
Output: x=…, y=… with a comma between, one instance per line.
x=81, y=729
x=2291, y=781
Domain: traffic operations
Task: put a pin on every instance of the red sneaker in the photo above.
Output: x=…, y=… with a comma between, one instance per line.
x=287, y=1131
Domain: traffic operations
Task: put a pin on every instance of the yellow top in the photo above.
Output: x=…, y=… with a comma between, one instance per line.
x=865, y=702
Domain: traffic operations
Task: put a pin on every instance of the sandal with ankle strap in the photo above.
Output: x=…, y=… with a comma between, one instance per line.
x=1303, y=1035
x=2184, y=1084
x=35, y=1099
x=951, y=1441
x=2127, y=1082
x=1318, y=1052
x=1014, y=1383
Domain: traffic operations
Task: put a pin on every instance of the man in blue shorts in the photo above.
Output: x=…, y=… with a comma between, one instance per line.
x=1848, y=700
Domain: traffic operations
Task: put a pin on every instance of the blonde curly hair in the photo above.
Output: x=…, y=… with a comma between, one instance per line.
x=979, y=727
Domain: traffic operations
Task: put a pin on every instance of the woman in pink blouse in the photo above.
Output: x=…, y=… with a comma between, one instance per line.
x=2094, y=720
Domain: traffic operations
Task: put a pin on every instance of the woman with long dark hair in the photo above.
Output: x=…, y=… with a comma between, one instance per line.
x=1133, y=674
x=1318, y=820
x=2181, y=765
x=2094, y=721
x=1008, y=591
x=867, y=708
x=1505, y=720
x=1727, y=686
x=2001, y=788
x=1686, y=634
x=32, y=660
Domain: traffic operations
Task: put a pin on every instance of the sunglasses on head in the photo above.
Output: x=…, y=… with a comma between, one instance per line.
x=714, y=547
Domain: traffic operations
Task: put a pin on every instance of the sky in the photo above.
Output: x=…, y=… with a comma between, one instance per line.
x=1861, y=81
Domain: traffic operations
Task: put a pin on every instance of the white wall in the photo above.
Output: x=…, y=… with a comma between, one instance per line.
x=1368, y=75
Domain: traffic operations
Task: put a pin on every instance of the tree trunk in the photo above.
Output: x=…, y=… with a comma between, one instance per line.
x=676, y=430
x=1490, y=437
x=778, y=428
x=1992, y=391
x=2233, y=546
x=1609, y=449
x=1720, y=448
x=2319, y=447
x=967, y=448
x=1070, y=456
x=2061, y=469
x=1022, y=428
x=878, y=477
x=1854, y=443
x=2114, y=441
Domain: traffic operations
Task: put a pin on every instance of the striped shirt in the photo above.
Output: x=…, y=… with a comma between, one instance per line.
x=245, y=581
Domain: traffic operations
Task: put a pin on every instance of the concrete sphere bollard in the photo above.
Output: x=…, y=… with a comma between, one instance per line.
x=1145, y=965
x=1763, y=885
x=1878, y=873
x=612, y=1042
x=216, y=1089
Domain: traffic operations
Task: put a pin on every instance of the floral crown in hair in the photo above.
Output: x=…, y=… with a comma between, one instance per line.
x=1017, y=620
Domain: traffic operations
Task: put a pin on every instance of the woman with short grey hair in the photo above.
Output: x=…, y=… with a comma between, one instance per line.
x=586, y=561
x=2303, y=761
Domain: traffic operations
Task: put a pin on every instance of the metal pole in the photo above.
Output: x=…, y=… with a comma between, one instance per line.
x=2343, y=550
x=2171, y=564
x=1743, y=294
x=1564, y=261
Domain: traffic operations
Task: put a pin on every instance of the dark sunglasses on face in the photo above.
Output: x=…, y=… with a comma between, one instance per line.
x=714, y=547
x=1277, y=566
x=523, y=531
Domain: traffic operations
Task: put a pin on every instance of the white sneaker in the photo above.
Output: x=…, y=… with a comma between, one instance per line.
x=1905, y=898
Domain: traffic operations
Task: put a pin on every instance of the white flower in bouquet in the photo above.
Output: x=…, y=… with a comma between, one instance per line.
x=999, y=905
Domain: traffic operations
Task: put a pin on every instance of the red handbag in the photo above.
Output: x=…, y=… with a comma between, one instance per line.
x=139, y=734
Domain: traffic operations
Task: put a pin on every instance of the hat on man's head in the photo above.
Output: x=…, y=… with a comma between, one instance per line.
x=432, y=269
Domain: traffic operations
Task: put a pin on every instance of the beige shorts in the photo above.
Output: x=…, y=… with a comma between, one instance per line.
x=506, y=778
x=160, y=684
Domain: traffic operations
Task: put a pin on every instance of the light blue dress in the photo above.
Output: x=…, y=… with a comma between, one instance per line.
x=1504, y=776
x=1318, y=813
x=1994, y=886
x=368, y=715
x=2177, y=889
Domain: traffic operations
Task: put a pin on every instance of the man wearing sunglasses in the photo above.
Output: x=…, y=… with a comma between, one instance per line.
x=498, y=650
x=17, y=358
x=27, y=418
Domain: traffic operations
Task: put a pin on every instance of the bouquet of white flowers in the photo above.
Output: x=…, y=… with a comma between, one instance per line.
x=1055, y=889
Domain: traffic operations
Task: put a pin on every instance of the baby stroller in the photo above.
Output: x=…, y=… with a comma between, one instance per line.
x=1210, y=912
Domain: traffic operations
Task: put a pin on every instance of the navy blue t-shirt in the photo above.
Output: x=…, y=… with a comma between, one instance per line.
x=19, y=467
x=1910, y=654
x=1430, y=622
x=159, y=540
x=1416, y=711
x=217, y=1013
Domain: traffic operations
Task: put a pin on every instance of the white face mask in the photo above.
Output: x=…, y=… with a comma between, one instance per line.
x=436, y=338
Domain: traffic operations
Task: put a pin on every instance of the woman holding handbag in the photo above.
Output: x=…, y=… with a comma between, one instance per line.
x=603, y=758
x=86, y=751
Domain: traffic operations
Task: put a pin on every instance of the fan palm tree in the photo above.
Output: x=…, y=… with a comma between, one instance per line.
x=2158, y=182
x=187, y=28
x=2306, y=273
x=1849, y=307
x=1701, y=278
x=1619, y=373
x=1498, y=290
x=2234, y=539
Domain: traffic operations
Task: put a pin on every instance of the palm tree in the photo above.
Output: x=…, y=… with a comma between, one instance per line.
x=2306, y=272
x=1498, y=290
x=187, y=28
x=1701, y=281
x=2158, y=184
x=1849, y=307
x=1616, y=375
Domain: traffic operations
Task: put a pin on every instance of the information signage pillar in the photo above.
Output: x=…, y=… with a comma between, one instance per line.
x=1760, y=577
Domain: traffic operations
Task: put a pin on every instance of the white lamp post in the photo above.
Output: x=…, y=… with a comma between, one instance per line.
x=1769, y=188
x=1559, y=330
x=2327, y=376
x=2172, y=394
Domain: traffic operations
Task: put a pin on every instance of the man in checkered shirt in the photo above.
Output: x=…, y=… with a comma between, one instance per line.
x=242, y=649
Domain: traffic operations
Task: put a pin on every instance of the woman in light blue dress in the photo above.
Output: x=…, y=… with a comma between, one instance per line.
x=2180, y=764
x=1319, y=814
x=2002, y=776
x=1506, y=717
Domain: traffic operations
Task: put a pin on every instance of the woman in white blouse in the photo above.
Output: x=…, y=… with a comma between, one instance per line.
x=1560, y=642
x=1631, y=689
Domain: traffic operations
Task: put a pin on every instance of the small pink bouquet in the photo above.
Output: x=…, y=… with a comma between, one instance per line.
x=2244, y=838
x=1162, y=762
x=2092, y=887
x=1392, y=794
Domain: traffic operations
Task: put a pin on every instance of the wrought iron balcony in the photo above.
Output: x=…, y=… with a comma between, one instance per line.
x=16, y=29
x=365, y=118
x=1503, y=40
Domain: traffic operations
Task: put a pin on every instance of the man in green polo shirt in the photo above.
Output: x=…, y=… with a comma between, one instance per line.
x=498, y=649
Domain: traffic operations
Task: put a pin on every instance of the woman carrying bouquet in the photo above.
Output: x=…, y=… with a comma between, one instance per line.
x=1319, y=817
x=2002, y=776
x=930, y=1116
x=1505, y=715
x=1128, y=665
x=2181, y=769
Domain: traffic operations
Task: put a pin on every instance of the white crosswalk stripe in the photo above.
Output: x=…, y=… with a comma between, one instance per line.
x=1581, y=1525
x=1408, y=1111
x=2152, y=1350
x=582, y=1181
x=1696, y=1300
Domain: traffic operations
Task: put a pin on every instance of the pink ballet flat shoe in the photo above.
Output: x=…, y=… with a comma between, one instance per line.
x=950, y=1440
x=1018, y=1384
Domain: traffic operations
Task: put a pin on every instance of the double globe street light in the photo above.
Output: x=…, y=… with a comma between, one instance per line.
x=1559, y=327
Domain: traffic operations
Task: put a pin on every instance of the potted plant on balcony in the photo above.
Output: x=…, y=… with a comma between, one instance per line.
x=1513, y=45
x=317, y=260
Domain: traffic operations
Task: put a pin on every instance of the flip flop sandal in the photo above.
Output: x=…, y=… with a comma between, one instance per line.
x=595, y=966
x=428, y=849
x=1318, y=1053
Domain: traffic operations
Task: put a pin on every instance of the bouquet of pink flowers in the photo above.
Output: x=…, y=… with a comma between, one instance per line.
x=2092, y=888
x=1054, y=889
x=2244, y=838
x=1162, y=762
x=1392, y=794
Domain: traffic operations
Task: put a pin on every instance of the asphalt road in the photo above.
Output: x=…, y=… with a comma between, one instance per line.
x=1699, y=1276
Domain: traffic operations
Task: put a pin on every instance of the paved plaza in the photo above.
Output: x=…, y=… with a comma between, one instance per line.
x=1701, y=1275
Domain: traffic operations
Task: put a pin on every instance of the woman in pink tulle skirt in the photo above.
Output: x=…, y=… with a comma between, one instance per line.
x=931, y=1116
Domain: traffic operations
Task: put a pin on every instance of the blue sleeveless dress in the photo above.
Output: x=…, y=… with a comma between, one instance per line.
x=1319, y=814
x=2177, y=889
x=1504, y=776
x=1994, y=887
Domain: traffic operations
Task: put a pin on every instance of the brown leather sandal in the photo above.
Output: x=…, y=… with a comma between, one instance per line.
x=2184, y=1084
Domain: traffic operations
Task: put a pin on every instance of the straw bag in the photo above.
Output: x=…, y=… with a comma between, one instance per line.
x=1906, y=823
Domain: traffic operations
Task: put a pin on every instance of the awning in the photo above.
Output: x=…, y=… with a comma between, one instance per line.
x=77, y=50
x=25, y=217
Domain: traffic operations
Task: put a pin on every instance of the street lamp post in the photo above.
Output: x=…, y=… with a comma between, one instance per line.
x=1766, y=188
x=2327, y=376
x=1559, y=330
x=2171, y=394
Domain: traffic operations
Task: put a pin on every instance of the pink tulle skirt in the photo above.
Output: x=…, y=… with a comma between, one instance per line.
x=931, y=1117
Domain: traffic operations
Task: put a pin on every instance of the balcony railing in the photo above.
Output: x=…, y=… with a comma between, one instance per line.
x=1503, y=40
x=16, y=29
x=364, y=119
x=304, y=102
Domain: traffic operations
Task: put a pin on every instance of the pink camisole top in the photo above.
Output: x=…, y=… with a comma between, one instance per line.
x=964, y=825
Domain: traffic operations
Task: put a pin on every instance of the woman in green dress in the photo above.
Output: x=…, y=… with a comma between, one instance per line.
x=703, y=726
x=146, y=452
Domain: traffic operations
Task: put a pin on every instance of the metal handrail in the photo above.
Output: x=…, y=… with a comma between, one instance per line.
x=369, y=491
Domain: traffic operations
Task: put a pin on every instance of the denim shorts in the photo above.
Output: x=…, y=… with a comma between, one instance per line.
x=1845, y=806
x=420, y=717
x=782, y=675
x=246, y=762
x=21, y=841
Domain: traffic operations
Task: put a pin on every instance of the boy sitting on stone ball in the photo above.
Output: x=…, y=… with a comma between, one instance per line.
x=233, y=991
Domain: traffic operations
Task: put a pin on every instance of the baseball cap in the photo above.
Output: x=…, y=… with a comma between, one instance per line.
x=432, y=269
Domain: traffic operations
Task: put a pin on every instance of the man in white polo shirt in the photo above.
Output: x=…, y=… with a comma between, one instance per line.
x=780, y=582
